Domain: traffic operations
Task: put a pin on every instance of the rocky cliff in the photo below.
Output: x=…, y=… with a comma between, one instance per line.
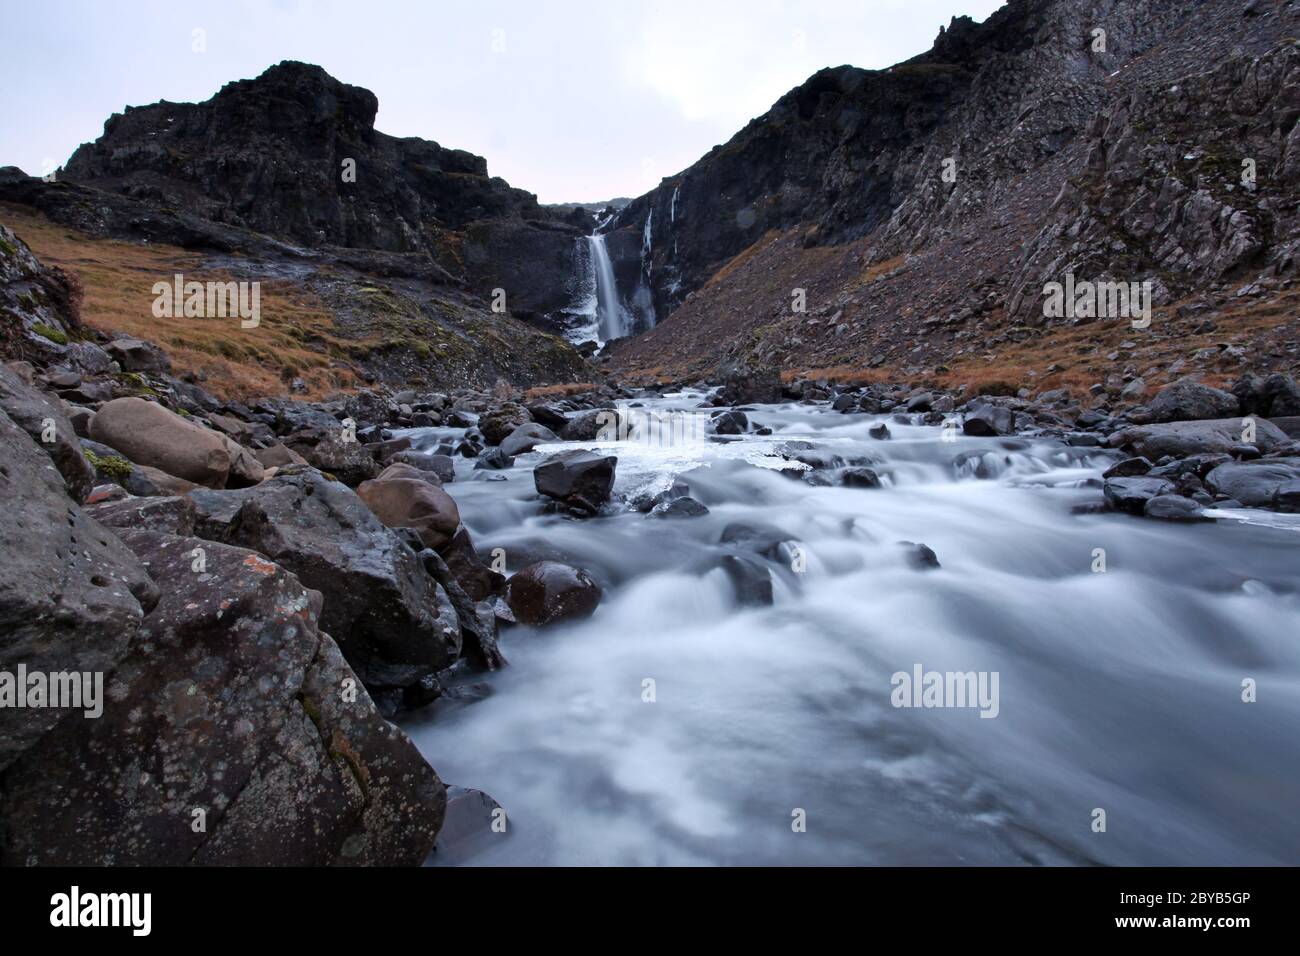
x=923, y=207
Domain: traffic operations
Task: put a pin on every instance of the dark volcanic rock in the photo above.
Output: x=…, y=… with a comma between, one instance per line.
x=1263, y=483
x=1184, y=439
x=44, y=420
x=273, y=155
x=581, y=480
x=237, y=712
x=989, y=420
x=71, y=595
x=1132, y=494
x=378, y=599
x=1174, y=508
x=548, y=591
x=1191, y=401
x=174, y=514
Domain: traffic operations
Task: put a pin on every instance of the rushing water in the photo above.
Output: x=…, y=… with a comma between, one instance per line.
x=611, y=317
x=1119, y=690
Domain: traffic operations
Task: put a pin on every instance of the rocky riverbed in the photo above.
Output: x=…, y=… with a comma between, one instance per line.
x=648, y=625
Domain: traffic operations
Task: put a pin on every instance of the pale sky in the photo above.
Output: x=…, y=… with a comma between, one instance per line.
x=569, y=99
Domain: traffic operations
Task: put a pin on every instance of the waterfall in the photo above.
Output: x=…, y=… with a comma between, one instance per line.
x=611, y=318
x=672, y=209
x=646, y=262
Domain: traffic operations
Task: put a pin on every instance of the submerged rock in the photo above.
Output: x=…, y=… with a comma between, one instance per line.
x=548, y=592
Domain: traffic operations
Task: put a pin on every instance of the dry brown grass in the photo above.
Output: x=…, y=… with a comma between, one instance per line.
x=233, y=362
x=539, y=392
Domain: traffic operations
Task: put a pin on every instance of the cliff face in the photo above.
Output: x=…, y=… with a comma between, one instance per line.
x=294, y=154
x=923, y=207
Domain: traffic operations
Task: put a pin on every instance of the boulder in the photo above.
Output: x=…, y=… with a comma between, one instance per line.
x=277, y=456
x=1185, y=401
x=331, y=451
x=136, y=355
x=148, y=434
x=744, y=384
x=859, y=478
x=591, y=425
x=379, y=603
x=683, y=507
x=1174, y=508
x=732, y=422
x=235, y=709
x=581, y=480
x=527, y=437
x=440, y=467
x=403, y=502
x=1183, y=439
x=1128, y=468
x=1262, y=483
x=245, y=468
x=989, y=420
x=477, y=579
x=172, y=515
x=548, y=591
x=498, y=423
x=45, y=421
x=71, y=595
x=1131, y=495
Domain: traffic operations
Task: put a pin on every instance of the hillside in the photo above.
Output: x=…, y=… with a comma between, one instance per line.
x=1122, y=164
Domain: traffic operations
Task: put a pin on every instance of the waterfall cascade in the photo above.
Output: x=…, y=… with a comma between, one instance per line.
x=612, y=320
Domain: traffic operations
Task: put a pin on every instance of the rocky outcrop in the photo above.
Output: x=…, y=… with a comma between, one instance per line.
x=1186, y=183
x=294, y=154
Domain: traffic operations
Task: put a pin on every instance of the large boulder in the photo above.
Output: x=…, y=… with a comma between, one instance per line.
x=597, y=423
x=1131, y=495
x=1186, y=401
x=990, y=420
x=525, y=438
x=136, y=355
x=50, y=427
x=401, y=502
x=1184, y=439
x=71, y=595
x=744, y=384
x=173, y=514
x=233, y=734
x=148, y=434
x=581, y=480
x=477, y=579
x=336, y=452
x=380, y=605
x=498, y=423
x=548, y=592
x=1262, y=483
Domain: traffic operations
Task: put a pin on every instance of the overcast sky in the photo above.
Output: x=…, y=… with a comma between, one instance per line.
x=572, y=100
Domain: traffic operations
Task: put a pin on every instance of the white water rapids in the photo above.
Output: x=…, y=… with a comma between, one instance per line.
x=1119, y=690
